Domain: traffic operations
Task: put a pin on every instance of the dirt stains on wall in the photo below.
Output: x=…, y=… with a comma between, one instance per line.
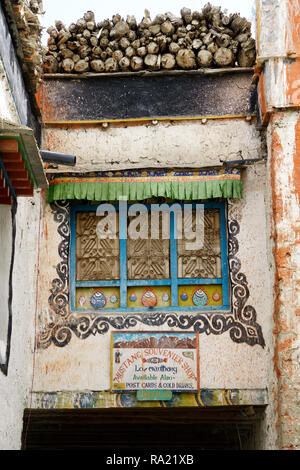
x=284, y=165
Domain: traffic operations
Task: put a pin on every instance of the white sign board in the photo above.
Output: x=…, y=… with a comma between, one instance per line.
x=156, y=361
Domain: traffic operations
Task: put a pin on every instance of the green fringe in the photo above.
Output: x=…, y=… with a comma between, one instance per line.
x=111, y=191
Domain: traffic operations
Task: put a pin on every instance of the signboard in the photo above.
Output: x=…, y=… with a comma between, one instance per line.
x=155, y=361
x=154, y=395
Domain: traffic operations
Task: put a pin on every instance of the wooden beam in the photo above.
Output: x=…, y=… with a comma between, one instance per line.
x=9, y=145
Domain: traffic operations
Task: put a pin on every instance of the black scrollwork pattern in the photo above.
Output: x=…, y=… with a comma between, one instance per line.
x=240, y=322
x=59, y=298
x=244, y=327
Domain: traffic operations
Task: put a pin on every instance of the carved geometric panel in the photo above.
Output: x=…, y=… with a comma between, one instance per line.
x=204, y=263
x=96, y=259
x=148, y=258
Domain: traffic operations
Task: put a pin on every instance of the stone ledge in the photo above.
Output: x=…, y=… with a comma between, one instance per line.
x=105, y=399
x=146, y=73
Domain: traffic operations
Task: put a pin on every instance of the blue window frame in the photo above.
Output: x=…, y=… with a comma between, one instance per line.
x=123, y=284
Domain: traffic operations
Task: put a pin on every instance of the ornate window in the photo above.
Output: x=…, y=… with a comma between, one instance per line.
x=156, y=271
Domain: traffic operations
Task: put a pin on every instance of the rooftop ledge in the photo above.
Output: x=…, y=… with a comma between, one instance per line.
x=28, y=148
x=146, y=73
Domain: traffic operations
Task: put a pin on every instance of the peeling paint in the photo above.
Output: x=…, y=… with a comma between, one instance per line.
x=293, y=27
x=284, y=155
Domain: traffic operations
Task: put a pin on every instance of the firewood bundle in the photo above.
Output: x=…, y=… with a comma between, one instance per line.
x=30, y=32
x=194, y=40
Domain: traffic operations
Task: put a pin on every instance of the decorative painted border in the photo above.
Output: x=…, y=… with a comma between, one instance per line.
x=143, y=176
x=105, y=399
x=150, y=173
x=240, y=322
x=59, y=298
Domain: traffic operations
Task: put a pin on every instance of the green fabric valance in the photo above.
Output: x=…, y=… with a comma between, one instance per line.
x=137, y=185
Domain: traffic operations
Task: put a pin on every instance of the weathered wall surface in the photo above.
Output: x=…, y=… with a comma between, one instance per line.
x=8, y=109
x=112, y=122
x=279, y=99
x=65, y=99
x=15, y=385
x=278, y=39
x=17, y=70
x=283, y=144
x=14, y=388
x=12, y=384
x=85, y=364
x=268, y=218
x=177, y=144
x=6, y=246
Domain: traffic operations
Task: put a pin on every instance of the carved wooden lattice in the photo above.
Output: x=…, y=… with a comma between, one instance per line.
x=205, y=262
x=148, y=259
x=97, y=259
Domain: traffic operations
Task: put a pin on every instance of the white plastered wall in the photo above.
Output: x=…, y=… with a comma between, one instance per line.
x=85, y=364
x=7, y=107
x=189, y=144
x=15, y=387
x=6, y=252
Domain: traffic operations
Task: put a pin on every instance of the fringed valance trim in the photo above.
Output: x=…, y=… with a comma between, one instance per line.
x=144, y=184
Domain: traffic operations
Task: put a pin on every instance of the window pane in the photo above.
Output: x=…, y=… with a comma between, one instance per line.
x=96, y=259
x=150, y=258
x=206, y=262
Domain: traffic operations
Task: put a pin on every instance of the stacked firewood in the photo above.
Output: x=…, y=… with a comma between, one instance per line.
x=26, y=16
x=194, y=40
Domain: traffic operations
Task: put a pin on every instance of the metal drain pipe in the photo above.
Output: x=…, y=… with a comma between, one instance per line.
x=58, y=158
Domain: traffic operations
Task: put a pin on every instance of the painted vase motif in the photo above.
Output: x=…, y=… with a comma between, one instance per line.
x=82, y=300
x=113, y=299
x=184, y=296
x=149, y=299
x=216, y=297
x=132, y=297
x=165, y=297
x=98, y=300
x=200, y=298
